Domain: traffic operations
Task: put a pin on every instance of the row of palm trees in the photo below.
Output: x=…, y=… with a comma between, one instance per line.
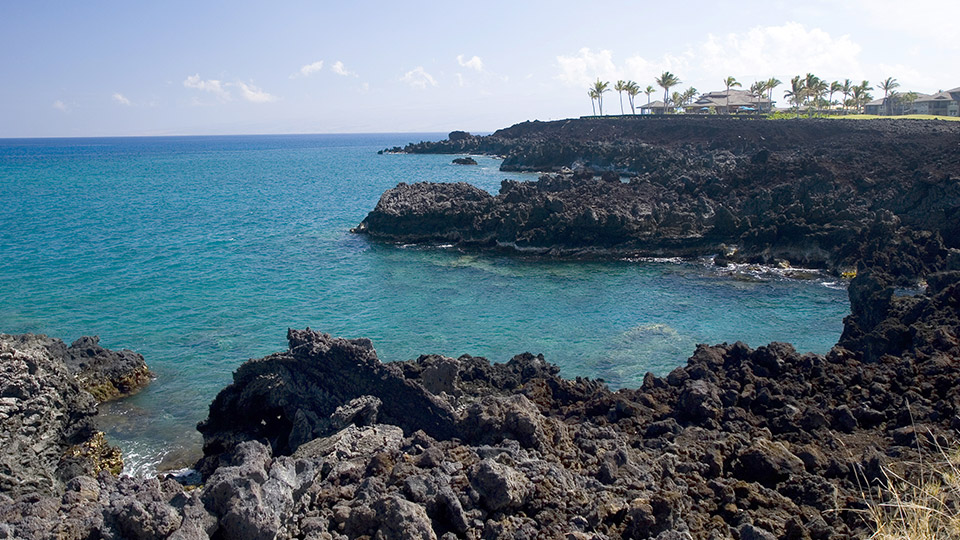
x=667, y=81
x=810, y=91
x=630, y=87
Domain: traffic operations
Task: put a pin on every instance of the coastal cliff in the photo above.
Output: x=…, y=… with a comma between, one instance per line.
x=829, y=194
x=325, y=441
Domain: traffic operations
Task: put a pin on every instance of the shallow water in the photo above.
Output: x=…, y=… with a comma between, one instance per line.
x=199, y=253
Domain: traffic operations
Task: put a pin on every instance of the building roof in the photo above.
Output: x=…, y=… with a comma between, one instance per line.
x=653, y=105
x=738, y=98
x=939, y=96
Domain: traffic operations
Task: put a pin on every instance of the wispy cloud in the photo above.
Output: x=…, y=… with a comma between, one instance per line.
x=121, y=99
x=582, y=68
x=474, y=63
x=212, y=86
x=308, y=69
x=339, y=69
x=60, y=106
x=253, y=94
x=418, y=78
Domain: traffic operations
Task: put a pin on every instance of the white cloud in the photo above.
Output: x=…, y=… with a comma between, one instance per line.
x=308, y=69
x=460, y=81
x=121, y=99
x=474, y=63
x=586, y=67
x=253, y=94
x=339, y=69
x=418, y=78
x=365, y=88
x=786, y=50
x=212, y=86
x=60, y=106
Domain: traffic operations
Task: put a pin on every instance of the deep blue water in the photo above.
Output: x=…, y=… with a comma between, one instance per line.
x=199, y=253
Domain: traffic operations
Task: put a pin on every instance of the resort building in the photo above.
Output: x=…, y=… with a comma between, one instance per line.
x=654, y=107
x=734, y=101
x=941, y=104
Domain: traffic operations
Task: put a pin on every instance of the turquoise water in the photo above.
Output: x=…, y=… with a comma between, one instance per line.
x=199, y=253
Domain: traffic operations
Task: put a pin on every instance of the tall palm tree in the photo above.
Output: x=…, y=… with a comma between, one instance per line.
x=600, y=87
x=846, y=89
x=649, y=90
x=815, y=88
x=772, y=83
x=907, y=100
x=632, y=90
x=835, y=87
x=861, y=94
x=666, y=81
x=797, y=92
x=593, y=97
x=677, y=99
x=730, y=82
x=888, y=86
x=620, y=87
x=757, y=89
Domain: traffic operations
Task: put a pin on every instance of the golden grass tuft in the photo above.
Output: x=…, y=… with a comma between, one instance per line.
x=927, y=508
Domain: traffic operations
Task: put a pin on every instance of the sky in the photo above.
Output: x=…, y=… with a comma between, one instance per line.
x=112, y=68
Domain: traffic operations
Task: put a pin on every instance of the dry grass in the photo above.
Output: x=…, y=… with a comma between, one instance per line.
x=927, y=508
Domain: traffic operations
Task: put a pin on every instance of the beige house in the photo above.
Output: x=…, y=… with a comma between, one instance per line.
x=941, y=104
x=654, y=107
x=734, y=101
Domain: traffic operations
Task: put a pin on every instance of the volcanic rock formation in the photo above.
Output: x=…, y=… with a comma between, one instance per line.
x=324, y=441
x=818, y=193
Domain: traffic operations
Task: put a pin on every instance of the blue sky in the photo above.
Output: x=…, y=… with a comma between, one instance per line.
x=103, y=68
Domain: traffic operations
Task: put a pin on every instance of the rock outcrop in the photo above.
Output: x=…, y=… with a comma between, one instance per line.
x=324, y=441
x=818, y=193
x=759, y=443
x=106, y=374
x=48, y=398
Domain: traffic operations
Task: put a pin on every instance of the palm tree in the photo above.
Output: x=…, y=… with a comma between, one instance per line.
x=907, y=100
x=649, y=90
x=888, y=86
x=599, y=88
x=835, y=87
x=677, y=99
x=620, y=87
x=730, y=82
x=632, y=90
x=772, y=83
x=846, y=89
x=861, y=94
x=593, y=96
x=797, y=92
x=667, y=80
x=757, y=89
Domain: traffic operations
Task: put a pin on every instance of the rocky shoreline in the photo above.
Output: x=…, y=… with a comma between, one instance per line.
x=325, y=441
x=828, y=194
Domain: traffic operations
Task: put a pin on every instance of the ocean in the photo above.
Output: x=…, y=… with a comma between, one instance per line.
x=200, y=252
